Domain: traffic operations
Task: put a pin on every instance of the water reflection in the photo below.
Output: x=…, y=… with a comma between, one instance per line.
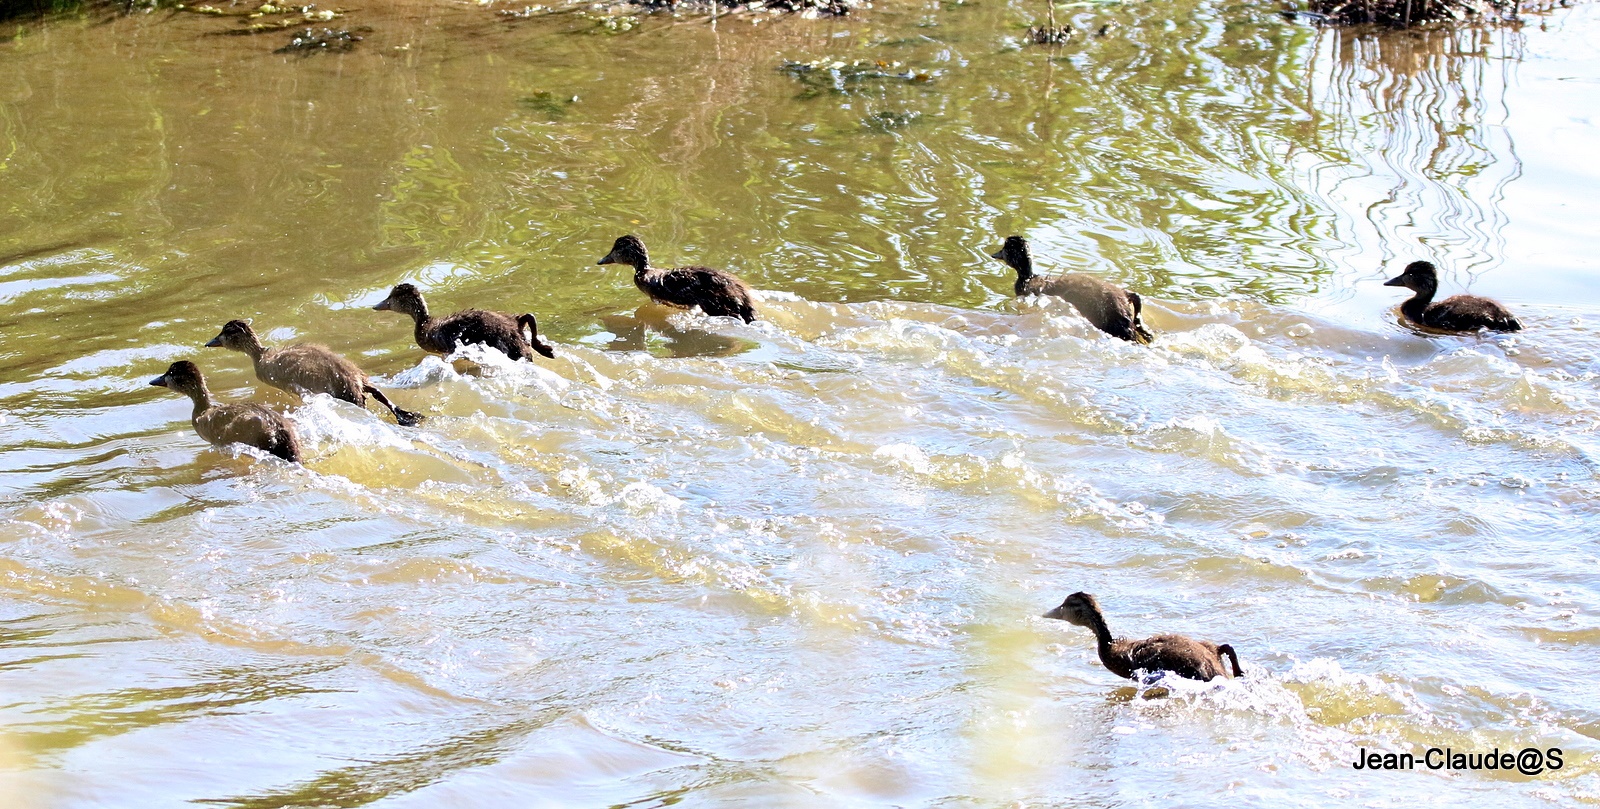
x=1425, y=112
x=652, y=328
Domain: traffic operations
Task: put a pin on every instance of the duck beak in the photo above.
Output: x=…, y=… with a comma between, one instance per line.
x=216, y=342
x=1397, y=281
x=160, y=381
x=1055, y=613
x=1001, y=254
x=383, y=306
x=610, y=258
x=546, y=350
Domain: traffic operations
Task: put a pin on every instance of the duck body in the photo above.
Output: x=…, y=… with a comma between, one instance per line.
x=441, y=335
x=717, y=293
x=1112, y=309
x=1178, y=654
x=223, y=424
x=1458, y=313
x=307, y=368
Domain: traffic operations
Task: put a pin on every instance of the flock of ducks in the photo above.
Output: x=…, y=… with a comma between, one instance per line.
x=305, y=369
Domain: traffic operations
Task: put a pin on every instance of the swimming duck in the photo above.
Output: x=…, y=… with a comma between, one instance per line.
x=1110, y=308
x=717, y=293
x=1185, y=657
x=307, y=368
x=441, y=335
x=1456, y=313
x=242, y=423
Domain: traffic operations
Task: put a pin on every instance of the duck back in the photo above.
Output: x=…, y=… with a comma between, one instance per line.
x=1183, y=656
x=309, y=368
x=1109, y=307
x=1468, y=313
x=717, y=293
x=475, y=326
x=251, y=424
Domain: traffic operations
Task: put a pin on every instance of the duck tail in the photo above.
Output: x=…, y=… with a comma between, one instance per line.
x=405, y=418
x=1141, y=335
x=1233, y=656
x=284, y=445
x=528, y=322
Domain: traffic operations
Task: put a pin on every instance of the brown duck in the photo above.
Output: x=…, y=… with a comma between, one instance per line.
x=1459, y=313
x=1110, y=308
x=717, y=293
x=441, y=335
x=307, y=368
x=1185, y=657
x=243, y=423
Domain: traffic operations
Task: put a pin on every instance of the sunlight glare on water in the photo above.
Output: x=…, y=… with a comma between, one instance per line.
x=799, y=562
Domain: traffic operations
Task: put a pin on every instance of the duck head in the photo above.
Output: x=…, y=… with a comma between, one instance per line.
x=1418, y=276
x=237, y=336
x=627, y=250
x=406, y=300
x=182, y=376
x=1016, y=254
x=1079, y=610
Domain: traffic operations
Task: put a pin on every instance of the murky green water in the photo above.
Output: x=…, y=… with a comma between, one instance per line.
x=796, y=563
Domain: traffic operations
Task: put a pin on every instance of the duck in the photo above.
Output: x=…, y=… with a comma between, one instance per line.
x=1183, y=656
x=717, y=293
x=1110, y=308
x=441, y=335
x=1458, y=313
x=306, y=368
x=223, y=424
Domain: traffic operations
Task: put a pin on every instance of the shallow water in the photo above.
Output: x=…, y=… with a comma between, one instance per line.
x=796, y=563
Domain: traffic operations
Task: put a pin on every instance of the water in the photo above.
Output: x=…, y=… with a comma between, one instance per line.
x=797, y=563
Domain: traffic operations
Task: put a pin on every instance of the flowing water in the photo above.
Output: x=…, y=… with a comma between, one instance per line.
x=799, y=563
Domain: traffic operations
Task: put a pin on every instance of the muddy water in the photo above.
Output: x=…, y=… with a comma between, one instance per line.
x=796, y=563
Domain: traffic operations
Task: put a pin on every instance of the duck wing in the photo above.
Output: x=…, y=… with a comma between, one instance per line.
x=1106, y=305
x=1182, y=656
x=1468, y=313
x=310, y=368
x=717, y=293
x=250, y=424
x=480, y=327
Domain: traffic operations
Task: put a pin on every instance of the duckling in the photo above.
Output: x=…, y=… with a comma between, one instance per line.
x=441, y=335
x=1185, y=657
x=1458, y=313
x=717, y=293
x=242, y=423
x=1110, y=308
x=306, y=368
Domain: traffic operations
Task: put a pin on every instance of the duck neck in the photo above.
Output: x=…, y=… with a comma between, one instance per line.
x=1418, y=303
x=201, y=398
x=421, y=320
x=1102, y=633
x=641, y=265
x=255, y=349
x=1024, y=268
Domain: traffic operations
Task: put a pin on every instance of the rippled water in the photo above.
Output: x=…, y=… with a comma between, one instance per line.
x=796, y=563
